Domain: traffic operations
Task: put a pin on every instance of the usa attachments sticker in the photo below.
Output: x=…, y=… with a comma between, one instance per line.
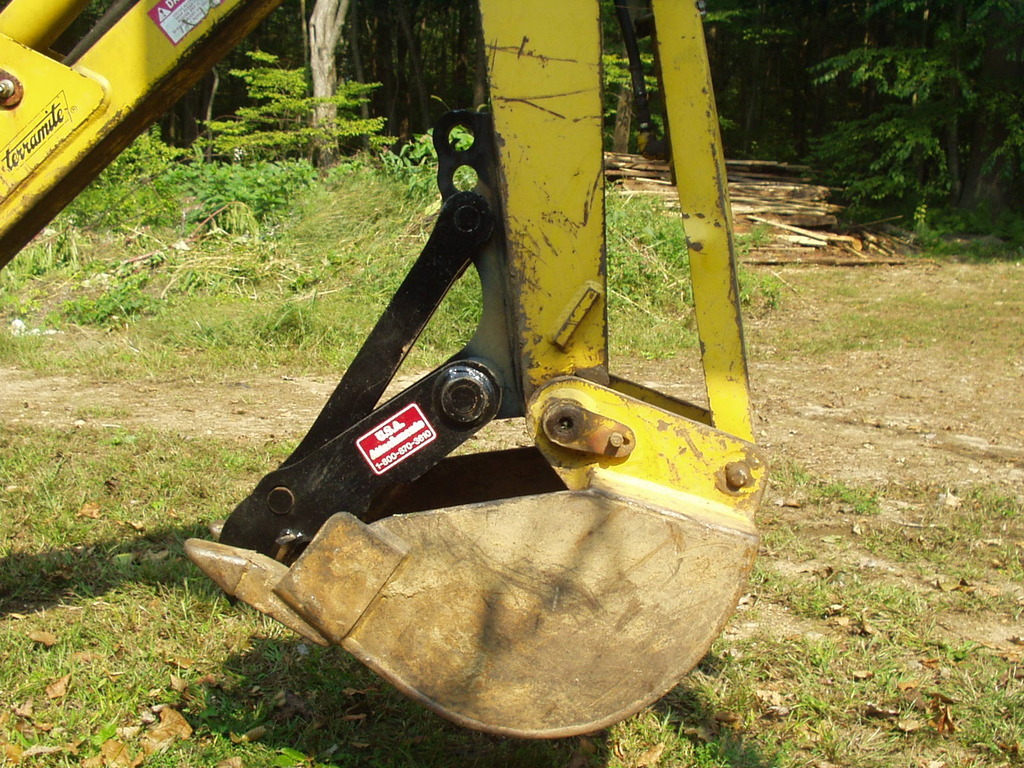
x=389, y=444
x=179, y=17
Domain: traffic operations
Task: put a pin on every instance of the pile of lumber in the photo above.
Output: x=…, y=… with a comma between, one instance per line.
x=792, y=217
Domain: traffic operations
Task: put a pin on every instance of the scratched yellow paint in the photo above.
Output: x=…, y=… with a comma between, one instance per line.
x=670, y=451
x=545, y=77
x=125, y=66
x=703, y=197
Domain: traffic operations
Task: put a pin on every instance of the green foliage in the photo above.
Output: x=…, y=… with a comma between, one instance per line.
x=264, y=188
x=648, y=261
x=978, y=234
x=124, y=299
x=278, y=122
x=134, y=190
x=949, y=68
x=894, y=155
x=415, y=163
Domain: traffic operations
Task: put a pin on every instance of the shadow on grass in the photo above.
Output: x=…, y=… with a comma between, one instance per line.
x=39, y=580
x=324, y=704
x=321, y=704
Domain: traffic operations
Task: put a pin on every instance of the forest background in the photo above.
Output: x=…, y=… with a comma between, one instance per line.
x=910, y=106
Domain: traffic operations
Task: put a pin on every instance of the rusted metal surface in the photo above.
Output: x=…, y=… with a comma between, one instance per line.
x=250, y=577
x=340, y=573
x=568, y=424
x=554, y=615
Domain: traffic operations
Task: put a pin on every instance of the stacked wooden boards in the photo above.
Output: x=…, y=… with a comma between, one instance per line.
x=782, y=216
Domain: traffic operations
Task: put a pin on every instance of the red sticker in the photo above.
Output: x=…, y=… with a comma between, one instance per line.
x=389, y=444
x=179, y=17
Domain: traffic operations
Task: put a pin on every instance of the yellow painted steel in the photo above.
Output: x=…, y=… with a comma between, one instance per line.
x=546, y=97
x=703, y=197
x=37, y=23
x=57, y=103
x=671, y=452
x=145, y=55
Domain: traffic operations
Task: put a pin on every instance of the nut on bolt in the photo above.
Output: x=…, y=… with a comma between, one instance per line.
x=11, y=90
x=467, y=396
x=738, y=475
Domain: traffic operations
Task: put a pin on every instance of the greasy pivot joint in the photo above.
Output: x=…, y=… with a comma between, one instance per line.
x=467, y=396
x=568, y=424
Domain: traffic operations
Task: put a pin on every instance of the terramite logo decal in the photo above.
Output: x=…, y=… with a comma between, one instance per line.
x=179, y=17
x=43, y=128
x=387, y=445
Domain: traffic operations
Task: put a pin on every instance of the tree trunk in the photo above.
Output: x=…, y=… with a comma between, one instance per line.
x=356, y=48
x=987, y=180
x=325, y=25
x=480, y=82
x=422, y=98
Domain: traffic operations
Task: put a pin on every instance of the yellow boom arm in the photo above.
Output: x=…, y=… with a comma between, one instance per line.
x=67, y=118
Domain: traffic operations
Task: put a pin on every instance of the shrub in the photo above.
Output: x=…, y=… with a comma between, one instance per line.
x=278, y=124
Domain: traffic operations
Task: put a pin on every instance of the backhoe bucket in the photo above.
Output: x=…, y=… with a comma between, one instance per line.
x=542, y=616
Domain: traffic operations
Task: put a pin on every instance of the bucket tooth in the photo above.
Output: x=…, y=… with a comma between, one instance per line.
x=250, y=577
x=341, y=573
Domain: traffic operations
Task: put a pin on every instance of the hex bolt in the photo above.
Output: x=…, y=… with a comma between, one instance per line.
x=616, y=440
x=466, y=396
x=281, y=500
x=467, y=219
x=10, y=90
x=737, y=475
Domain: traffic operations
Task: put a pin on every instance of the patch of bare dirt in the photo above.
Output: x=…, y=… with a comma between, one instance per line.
x=866, y=417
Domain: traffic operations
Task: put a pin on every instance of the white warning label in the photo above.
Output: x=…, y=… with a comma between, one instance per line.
x=179, y=17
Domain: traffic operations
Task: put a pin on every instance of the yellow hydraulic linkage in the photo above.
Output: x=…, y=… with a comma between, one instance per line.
x=536, y=592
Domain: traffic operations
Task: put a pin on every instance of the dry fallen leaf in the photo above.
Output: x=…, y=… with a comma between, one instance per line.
x=86, y=657
x=650, y=757
x=91, y=510
x=770, y=698
x=909, y=724
x=231, y=762
x=178, y=684
x=25, y=710
x=12, y=753
x=171, y=728
x=39, y=749
x=43, y=637
x=873, y=710
x=58, y=689
x=943, y=721
x=253, y=734
x=113, y=754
